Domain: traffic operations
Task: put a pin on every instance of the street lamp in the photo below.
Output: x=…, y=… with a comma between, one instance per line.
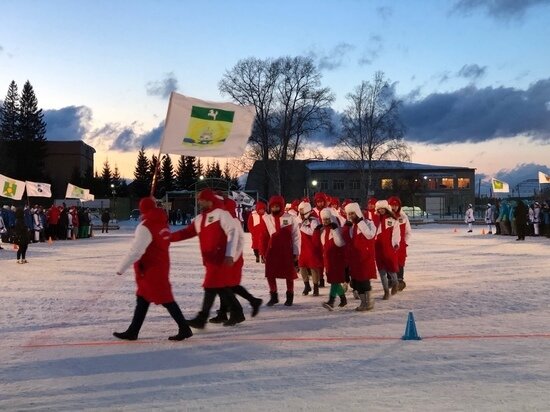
x=113, y=193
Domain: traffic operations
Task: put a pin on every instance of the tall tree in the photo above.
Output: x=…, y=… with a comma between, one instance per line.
x=186, y=174
x=115, y=178
x=9, y=132
x=199, y=168
x=289, y=103
x=371, y=128
x=153, y=164
x=106, y=177
x=141, y=185
x=31, y=119
x=167, y=171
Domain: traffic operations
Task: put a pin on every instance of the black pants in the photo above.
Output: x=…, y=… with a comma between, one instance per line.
x=142, y=306
x=22, y=251
x=361, y=286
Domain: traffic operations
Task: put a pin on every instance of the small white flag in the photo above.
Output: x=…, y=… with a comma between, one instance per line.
x=35, y=189
x=499, y=186
x=544, y=178
x=75, y=192
x=88, y=196
x=11, y=188
x=196, y=127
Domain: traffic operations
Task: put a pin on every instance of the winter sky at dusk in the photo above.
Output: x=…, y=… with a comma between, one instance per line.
x=473, y=75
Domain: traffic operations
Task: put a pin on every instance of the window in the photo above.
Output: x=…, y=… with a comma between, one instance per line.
x=463, y=183
x=431, y=183
x=338, y=184
x=386, y=184
x=354, y=185
x=447, y=183
x=323, y=185
x=403, y=184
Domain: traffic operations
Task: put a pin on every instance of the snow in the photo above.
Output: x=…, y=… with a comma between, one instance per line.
x=481, y=304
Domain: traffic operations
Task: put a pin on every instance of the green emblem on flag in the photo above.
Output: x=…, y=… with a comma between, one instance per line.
x=78, y=192
x=10, y=189
x=208, y=127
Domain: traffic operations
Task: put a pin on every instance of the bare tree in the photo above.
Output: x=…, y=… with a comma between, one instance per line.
x=289, y=102
x=371, y=128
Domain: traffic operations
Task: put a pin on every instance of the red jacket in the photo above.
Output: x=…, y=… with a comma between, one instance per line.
x=280, y=240
x=387, y=243
x=334, y=251
x=153, y=267
x=214, y=228
x=311, y=254
x=360, y=238
x=254, y=225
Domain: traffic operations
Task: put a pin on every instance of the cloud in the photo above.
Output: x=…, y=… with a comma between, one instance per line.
x=385, y=12
x=68, y=123
x=162, y=87
x=473, y=115
x=472, y=71
x=332, y=59
x=126, y=139
x=498, y=9
x=372, y=51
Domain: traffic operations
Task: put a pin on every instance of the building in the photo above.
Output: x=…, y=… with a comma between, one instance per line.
x=438, y=190
x=65, y=159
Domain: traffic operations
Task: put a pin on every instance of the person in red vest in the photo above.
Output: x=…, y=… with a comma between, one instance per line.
x=388, y=238
x=333, y=250
x=280, y=247
x=218, y=244
x=150, y=258
x=255, y=228
x=406, y=232
x=53, y=220
x=359, y=233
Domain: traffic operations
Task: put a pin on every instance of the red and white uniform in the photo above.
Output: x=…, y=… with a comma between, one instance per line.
x=406, y=232
x=216, y=231
x=360, y=237
x=310, y=251
x=150, y=258
x=334, y=251
x=388, y=238
x=254, y=225
x=235, y=271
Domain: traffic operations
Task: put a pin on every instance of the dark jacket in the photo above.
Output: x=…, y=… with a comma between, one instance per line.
x=105, y=217
x=21, y=232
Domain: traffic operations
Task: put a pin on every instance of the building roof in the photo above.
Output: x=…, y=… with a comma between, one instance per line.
x=377, y=164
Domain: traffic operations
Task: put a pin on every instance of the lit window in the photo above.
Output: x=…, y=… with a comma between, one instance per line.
x=386, y=184
x=447, y=183
x=463, y=183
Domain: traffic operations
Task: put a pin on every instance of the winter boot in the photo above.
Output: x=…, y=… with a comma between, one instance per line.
x=307, y=289
x=256, y=304
x=199, y=321
x=221, y=317
x=125, y=335
x=402, y=285
x=355, y=294
x=363, y=305
x=386, y=294
x=274, y=299
x=289, y=298
x=142, y=306
x=330, y=304
x=321, y=282
x=234, y=318
x=395, y=288
x=370, y=301
x=315, y=290
x=343, y=301
x=182, y=334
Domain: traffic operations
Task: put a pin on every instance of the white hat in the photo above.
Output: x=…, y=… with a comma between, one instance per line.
x=304, y=207
x=326, y=213
x=382, y=204
x=488, y=205
x=354, y=207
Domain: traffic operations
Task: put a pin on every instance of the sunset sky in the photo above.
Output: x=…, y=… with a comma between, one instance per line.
x=474, y=75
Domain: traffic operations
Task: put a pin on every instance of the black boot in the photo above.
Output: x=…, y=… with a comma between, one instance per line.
x=307, y=289
x=234, y=318
x=199, y=321
x=315, y=290
x=184, y=329
x=256, y=304
x=330, y=304
x=289, y=298
x=221, y=317
x=142, y=306
x=343, y=301
x=274, y=299
x=321, y=282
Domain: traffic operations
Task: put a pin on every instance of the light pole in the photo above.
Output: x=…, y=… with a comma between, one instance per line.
x=314, y=185
x=113, y=193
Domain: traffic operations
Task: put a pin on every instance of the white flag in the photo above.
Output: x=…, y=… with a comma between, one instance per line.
x=544, y=178
x=11, y=188
x=35, y=189
x=88, y=196
x=196, y=127
x=75, y=192
x=499, y=186
x=246, y=199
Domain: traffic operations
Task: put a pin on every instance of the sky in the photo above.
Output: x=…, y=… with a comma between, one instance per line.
x=473, y=75
x=482, y=315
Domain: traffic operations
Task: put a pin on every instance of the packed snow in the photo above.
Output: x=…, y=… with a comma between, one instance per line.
x=480, y=302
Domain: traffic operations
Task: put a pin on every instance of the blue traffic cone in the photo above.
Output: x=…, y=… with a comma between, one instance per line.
x=410, y=329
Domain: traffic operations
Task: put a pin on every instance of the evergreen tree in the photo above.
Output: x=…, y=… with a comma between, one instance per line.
x=9, y=127
x=167, y=172
x=180, y=173
x=226, y=172
x=106, y=176
x=31, y=118
x=191, y=171
x=115, y=178
x=140, y=186
x=199, y=168
x=153, y=164
x=216, y=170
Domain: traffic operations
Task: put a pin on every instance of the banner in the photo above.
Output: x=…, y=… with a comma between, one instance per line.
x=75, y=192
x=499, y=186
x=11, y=188
x=196, y=127
x=243, y=198
x=88, y=196
x=544, y=178
x=35, y=189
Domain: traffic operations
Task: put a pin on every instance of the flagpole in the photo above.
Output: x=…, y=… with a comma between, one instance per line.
x=157, y=168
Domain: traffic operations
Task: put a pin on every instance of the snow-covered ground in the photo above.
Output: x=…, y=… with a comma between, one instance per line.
x=481, y=304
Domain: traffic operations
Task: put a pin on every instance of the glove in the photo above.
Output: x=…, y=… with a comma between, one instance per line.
x=333, y=225
x=348, y=223
x=319, y=227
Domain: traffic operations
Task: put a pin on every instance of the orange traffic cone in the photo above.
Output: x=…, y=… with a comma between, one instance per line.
x=50, y=241
x=482, y=231
x=455, y=230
